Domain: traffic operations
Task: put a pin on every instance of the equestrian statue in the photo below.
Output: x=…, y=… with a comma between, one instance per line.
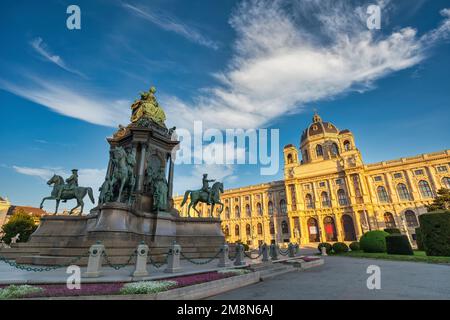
x=208, y=195
x=68, y=191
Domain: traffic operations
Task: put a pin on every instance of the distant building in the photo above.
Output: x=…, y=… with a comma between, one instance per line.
x=7, y=210
x=329, y=194
x=4, y=206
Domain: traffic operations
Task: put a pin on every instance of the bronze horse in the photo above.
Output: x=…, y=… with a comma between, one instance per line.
x=77, y=193
x=201, y=196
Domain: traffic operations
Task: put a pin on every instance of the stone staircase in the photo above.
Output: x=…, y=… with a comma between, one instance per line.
x=269, y=270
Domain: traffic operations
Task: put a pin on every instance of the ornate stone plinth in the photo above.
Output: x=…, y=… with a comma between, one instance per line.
x=135, y=203
x=120, y=229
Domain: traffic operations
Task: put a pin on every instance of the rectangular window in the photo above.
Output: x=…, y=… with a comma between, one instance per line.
x=398, y=175
x=442, y=169
x=378, y=178
x=418, y=172
x=339, y=182
x=322, y=184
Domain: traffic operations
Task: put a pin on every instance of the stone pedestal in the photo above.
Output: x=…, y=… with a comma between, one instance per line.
x=173, y=259
x=95, y=261
x=224, y=261
x=141, y=261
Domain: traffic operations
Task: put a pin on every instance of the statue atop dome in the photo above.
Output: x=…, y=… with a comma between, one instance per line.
x=147, y=107
x=316, y=117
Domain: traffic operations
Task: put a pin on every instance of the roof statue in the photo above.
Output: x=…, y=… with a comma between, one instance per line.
x=147, y=107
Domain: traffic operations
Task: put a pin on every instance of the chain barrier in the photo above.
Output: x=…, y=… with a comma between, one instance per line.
x=249, y=255
x=201, y=262
x=39, y=269
x=155, y=264
x=119, y=266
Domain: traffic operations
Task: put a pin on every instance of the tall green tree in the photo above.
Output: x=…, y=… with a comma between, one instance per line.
x=20, y=222
x=441, y=202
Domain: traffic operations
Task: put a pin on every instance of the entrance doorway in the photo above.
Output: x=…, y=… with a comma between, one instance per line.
x=349, y=228
x=313, y=230
x=330, y=229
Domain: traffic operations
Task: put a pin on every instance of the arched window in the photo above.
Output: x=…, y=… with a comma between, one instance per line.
x=272, y=228
x=389, y=220
x=382, y=194
x=236, y=230
x=248, y=230
x=325, y=200
x=259, y=209
x=342, y=197
x=283, y=208
x=305, y=156
x=309, y=201
x=334, y=149
x=270, y=207
x=289, y=158
x=319, y=151
x=247, y=211
x=425, y=189
x=446, y=182
x=227, y=213
x=403, y=192
x=237, y=212
x=284, y=227
x=411, y=219
x=260, y=229
x=227, y=231
x=347, y=145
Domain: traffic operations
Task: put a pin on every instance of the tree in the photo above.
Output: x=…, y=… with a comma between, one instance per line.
x=441, y=202
x=20, y=222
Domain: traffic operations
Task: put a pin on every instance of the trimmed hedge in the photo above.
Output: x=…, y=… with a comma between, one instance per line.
x=435, y=232
x=392, y=230
x=374, y=241
x=327, y=246
x=340, y=247
x=398, y=244
x=419, y=240
x=354, y=246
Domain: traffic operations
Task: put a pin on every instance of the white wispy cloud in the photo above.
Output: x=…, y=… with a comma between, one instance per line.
x=281, y=64
x=41, y=47
x=72, y=102
x=167, y=22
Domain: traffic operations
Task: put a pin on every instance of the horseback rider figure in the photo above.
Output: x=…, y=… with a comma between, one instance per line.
x=72, y=183
x=205, y=186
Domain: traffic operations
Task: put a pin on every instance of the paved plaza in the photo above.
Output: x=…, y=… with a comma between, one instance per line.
x=345, y=278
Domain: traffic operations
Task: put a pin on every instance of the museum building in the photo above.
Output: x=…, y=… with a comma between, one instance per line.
x=328, y=194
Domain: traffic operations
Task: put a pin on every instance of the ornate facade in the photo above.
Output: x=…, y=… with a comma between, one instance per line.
x=329, y=194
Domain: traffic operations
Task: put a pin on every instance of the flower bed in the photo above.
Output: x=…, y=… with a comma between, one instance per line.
x=91, y=289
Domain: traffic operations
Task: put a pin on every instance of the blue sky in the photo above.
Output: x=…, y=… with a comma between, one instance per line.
x=231, y=64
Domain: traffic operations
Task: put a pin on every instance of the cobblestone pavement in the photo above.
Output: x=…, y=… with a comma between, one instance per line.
x=346, y=278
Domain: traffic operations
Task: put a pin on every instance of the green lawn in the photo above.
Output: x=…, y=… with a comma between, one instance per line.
x=419, y=256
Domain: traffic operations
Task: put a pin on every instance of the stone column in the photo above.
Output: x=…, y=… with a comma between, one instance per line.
x=95, y=260
x=239, y=260
x=224, y=261
x=412, y=187
x=337, y=222
x=173, y=261
x=357, y=223
x=171, y=167
x=141, y=261
x=321, y=229
x=141, y=167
